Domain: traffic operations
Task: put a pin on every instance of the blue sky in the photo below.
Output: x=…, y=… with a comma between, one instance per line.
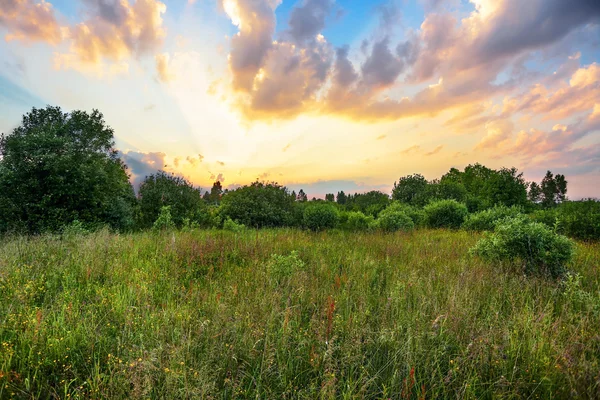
x=226, y=89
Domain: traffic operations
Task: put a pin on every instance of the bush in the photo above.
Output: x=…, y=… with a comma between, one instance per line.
x=534, y=245
x=281, y=267
x=445, y=214
x=356, y=221
x=75, y=228
x=259, y=205
x=320, y=216
x=164, y=220
x=580, y=219
x=416, y=214
x=232, y=226
x=391, y=220
x=487, y=219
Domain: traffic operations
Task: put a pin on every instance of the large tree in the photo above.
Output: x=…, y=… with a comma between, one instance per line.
x=259, y=205
x=58, y=167
x=164, y=189
x=410, y=189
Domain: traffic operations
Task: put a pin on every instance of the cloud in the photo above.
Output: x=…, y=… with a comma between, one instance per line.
x=308, y=20
x=162, y=67
x=116, y=30
x=142, y=164
x=411, y=150
x=30, y=21
x=434, y=151
x=381, y=69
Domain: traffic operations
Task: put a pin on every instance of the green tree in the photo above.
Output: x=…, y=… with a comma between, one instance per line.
x=535, y=192
x=410, y=189
x=259, y=205
x=216, y=192
x=163, y=189
x=370, y=203
x=341, y=198
x=58, y=167
x=302, y=196
x=330, y=197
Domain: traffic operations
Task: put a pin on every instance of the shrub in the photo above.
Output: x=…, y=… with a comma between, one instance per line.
x=164, y=220
x=487, y=219
x=356, y=221
x=391, y=220
x=445, y=214
x=259, y=205
x=580, y=219
x=281, y=267
x=320, y=216
x=416, y=214
x=534, y=245
x=232, y=226
x=75, y=228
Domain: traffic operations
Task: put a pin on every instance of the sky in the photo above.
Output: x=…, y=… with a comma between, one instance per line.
x=323, y=95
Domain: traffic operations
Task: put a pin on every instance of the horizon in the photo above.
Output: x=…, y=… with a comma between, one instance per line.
x=321, y=95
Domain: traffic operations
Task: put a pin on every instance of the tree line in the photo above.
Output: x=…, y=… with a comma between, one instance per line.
x=60, y=168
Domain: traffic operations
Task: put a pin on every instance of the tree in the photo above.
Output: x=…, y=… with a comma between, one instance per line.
x=341, y=198
x=561, y=188
x=535, y=192
x=59, y=167
x=370, y=203
x=216, y=192
x=554, y=189
x=302, y=196
x=410, y=189
x=330, y=197
x=259, y=205
x=167, y=190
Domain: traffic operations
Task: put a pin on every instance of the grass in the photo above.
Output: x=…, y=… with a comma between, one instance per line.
x=290, y=314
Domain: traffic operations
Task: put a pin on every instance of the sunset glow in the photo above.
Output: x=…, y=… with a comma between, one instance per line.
x=318, y=94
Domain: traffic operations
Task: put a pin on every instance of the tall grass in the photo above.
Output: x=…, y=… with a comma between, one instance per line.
x=290, y=314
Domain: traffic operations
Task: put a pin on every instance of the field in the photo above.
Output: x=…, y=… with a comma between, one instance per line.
x=290, y=314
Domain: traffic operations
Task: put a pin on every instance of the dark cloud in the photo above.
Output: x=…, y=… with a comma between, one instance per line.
x=307, y=20
x=142, y=164
x=381, y=67
x=344, y=73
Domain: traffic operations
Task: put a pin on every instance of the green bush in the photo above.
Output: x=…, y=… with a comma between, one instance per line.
x=534, y=245
x=580, y=219
x=232, y=226
x=391, y=220
x=321, y=216
x=75, y=228
x=356, y=221
x=416, y=214
x=487, y=219
x=281, y=267
x=445, y=214
x=164, y=220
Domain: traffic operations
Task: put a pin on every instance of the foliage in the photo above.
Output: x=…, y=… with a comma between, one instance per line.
x=59, y=167
x=410, y=189
x=534, y=245
x=163, y=189
x=281, y=267
x=392, y=220
x=74, y=229
x=486, y=220
x=553, y=189
x=356, y=221
x=320, y=216
x=232, y=226
x=416, y=214
x=370, y=203
x=164, y=221
x=577, y=219
x=445, y=214
x=487, y=187
x=259, y=205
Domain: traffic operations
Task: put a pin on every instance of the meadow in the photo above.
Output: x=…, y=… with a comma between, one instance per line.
x=286, y=313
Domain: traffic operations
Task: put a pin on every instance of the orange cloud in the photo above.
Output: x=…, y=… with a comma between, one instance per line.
x=118, y=30
x=29, y=21
x=162, y=67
